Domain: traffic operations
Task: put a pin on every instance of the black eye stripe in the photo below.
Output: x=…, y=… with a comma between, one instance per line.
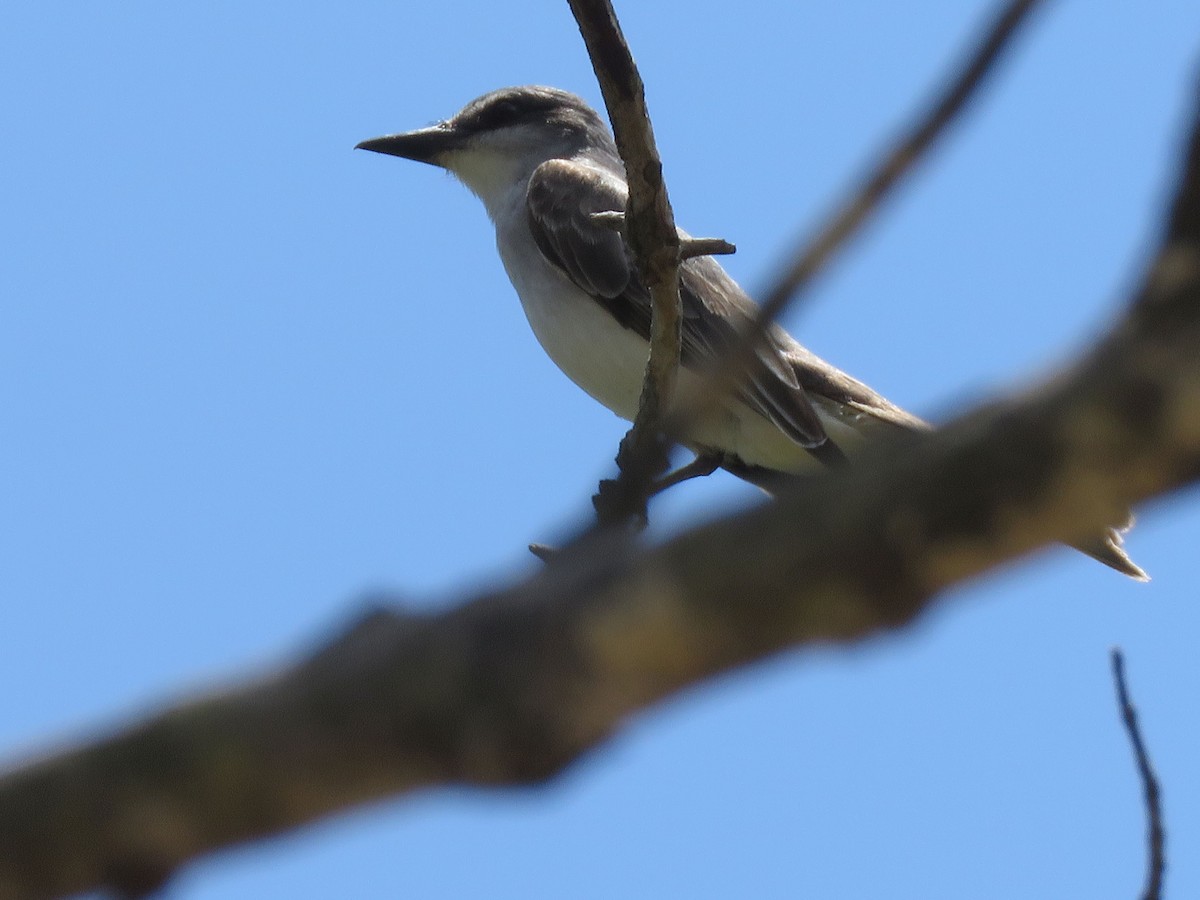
x=508, y=111
x=505, y=112
x=518, y=106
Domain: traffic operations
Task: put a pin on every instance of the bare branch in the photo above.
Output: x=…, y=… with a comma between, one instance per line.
x=855, y=210
x=544, y=552
x=689, y=248
x=702, y=466
x=650, y=229
x=693, y=247
x=1156, y=836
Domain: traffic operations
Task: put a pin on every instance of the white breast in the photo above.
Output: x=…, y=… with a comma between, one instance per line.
x=591, y=348
x=607, y=360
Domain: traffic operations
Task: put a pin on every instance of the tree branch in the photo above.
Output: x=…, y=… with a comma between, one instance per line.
x=650, y=229
x=1156, y=836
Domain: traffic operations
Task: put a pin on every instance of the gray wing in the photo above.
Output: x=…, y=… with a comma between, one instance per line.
x=561, y=198
x=845, y=397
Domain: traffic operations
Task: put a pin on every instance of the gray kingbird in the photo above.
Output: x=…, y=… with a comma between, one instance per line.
x=543, y=163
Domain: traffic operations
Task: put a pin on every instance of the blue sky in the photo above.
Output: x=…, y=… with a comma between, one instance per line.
x=249, y=376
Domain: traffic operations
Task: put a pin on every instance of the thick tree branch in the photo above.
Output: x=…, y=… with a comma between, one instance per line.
x=511, y=687
x=856, y=209
x=1156, y=862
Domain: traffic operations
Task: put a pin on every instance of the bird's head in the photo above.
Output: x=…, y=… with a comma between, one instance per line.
x=501, y=137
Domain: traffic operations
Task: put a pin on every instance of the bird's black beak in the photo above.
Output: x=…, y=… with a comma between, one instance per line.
x=426, y=145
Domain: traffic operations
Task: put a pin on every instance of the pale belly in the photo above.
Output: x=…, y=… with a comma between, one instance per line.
x=585, y=342
x=608, y=362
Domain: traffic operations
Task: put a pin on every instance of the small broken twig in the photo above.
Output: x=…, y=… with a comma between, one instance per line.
x=703, y=465
x=693, y=247
x=689, y=248
x=544, y=552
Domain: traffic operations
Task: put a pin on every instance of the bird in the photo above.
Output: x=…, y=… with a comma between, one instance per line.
x=548, y=172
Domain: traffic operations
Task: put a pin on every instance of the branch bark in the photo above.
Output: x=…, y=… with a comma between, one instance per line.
x=511, y=687
x=650, y=230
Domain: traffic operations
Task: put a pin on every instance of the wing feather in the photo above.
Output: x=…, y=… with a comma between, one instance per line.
x=560, y=201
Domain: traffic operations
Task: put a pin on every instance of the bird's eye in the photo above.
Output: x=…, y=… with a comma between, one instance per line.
x=503, y=112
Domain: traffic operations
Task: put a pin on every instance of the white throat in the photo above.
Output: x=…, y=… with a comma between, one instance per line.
x=490, y=176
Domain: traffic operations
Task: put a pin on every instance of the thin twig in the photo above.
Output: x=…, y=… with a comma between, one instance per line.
x=702, y=466
x=865, y=199
x=544, y=552
x=650, y=229
x=1156, y=836
x=693, y=247
x=689, y=248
